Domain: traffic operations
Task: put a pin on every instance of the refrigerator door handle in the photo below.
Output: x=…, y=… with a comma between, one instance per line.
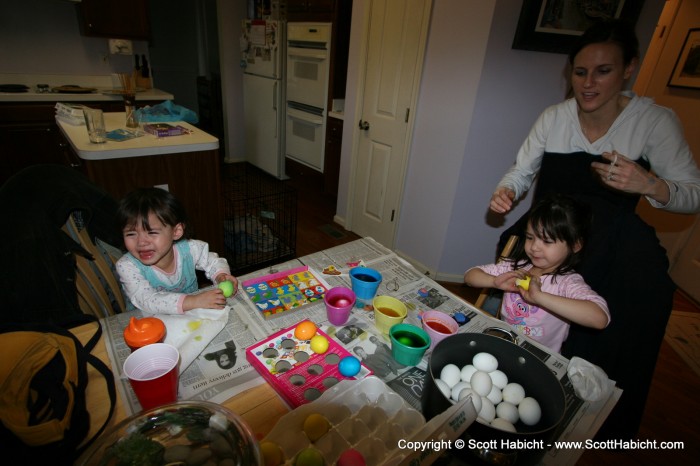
x=274, y=107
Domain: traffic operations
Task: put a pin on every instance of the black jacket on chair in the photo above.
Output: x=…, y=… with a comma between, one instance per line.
x=37, y=277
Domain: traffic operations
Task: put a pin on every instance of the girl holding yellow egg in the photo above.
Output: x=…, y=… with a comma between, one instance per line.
x=543, y=294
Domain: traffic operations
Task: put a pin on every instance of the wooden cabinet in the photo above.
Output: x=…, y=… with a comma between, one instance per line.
x=310, y=10
x=28, y=136
x=334, y=141
x=116, y=19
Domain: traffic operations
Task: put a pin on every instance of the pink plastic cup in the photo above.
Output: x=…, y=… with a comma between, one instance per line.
x=339, y=303
x=439, y=326
x=153, y=373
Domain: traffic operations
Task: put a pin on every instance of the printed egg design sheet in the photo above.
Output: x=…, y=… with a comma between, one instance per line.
x=284, y=291
x=364, y=415
x=294, y=370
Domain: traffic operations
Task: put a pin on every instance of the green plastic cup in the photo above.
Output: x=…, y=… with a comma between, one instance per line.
x=408, y=343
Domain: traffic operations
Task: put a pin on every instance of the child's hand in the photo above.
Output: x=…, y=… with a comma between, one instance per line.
x=533, y=292
x=222, y=277
x=506, y=281
x=210, y=299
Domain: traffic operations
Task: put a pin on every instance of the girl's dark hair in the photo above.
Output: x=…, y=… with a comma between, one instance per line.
x=560, y=218
x=616, y=31
x=140, y=202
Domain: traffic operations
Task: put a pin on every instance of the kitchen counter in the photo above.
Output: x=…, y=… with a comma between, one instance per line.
x=100, y=95
x=104, y=85
x=145, y=145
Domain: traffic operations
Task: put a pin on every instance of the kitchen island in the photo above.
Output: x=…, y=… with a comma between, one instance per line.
x=186, y=165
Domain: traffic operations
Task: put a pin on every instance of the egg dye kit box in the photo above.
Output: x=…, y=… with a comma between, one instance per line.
x=283, y=292
x=297, y=368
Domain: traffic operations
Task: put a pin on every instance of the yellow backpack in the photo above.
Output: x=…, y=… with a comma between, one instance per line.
x=43, y=379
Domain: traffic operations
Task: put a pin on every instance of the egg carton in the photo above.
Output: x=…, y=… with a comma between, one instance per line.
x=368, y=416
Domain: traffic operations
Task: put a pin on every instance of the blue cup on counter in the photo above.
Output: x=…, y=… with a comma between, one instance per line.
x=365, y=283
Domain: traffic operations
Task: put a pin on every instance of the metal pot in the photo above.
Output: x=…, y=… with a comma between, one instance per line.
x=483, y=443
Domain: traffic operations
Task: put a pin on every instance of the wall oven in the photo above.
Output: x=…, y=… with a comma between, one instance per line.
x=308, y=63
x=306, y=134
x=308, y=67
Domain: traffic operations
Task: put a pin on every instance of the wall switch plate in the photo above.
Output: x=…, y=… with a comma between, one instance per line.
x=121, y=47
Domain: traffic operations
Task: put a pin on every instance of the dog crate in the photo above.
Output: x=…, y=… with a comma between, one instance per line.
x=260, y=218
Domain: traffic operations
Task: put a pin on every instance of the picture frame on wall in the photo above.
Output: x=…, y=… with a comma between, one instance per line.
x=553, y=25
x=686, y=72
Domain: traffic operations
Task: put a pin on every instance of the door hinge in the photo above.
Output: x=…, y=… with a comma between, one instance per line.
x=392, y=215
x=408, y=111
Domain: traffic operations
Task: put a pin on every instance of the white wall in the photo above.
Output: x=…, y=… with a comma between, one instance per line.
x=43, y=37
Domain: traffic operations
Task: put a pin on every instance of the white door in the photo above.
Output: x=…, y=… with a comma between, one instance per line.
x=396, y=44
x=263, y=110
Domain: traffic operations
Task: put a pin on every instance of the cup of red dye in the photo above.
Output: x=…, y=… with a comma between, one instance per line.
x=439, y=326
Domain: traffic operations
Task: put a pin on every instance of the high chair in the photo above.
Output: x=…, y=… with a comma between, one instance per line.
x=99, y=292
x=490, y=297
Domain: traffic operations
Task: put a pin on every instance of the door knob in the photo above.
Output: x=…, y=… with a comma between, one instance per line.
x=364, y=125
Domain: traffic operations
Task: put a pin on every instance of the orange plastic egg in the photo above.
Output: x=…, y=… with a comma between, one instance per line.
x=305, y=330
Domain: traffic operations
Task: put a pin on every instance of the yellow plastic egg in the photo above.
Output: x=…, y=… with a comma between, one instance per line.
x=523, y=283
x=305, y=330
x=316, y=426
x=319, y=344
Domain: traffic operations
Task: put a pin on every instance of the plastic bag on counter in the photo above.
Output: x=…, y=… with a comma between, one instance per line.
x=165, y=112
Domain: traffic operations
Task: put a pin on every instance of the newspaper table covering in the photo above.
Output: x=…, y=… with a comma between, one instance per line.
x=221, y=370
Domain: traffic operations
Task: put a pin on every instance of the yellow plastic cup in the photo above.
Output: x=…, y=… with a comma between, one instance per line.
x=388, y=311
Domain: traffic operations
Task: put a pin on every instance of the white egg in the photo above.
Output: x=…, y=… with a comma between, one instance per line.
x=513, y=393
x=450, y=374
x=459, y=386
x=443, y=388
x=481, y=383
x=476, y=399
x=503, y=424
x=495, y=395
x=507, y=411
x=467, y=372
x=530, y=411
x=485, y=362
x=499, y=378
x=488, y=410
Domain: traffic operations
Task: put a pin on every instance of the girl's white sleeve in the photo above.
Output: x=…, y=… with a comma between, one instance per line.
x=520, y=176
x=209, y=262
x=143, y=295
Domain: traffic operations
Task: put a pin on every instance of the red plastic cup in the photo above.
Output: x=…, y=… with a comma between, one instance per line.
x=153, y=372
x=339, y=302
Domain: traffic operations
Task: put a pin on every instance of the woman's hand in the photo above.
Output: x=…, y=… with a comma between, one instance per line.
x=626, y=175
x=502, y=200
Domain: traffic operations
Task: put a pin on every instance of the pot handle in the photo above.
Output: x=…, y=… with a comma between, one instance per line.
x=500, y=332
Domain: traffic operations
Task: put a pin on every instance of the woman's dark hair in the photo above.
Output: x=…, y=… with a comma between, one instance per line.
x=616, y=31
x=140, y=202
x=560, y=218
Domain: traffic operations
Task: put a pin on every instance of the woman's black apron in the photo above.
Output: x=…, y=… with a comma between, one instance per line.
x=624, y=262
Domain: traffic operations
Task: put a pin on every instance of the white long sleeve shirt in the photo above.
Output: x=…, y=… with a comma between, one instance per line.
x=643, y=130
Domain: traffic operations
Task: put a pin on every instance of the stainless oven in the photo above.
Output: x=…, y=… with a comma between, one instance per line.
x=308, y=63
x=306, y=134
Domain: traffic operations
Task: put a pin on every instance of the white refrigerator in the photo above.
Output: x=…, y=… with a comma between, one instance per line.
x=263, y=62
